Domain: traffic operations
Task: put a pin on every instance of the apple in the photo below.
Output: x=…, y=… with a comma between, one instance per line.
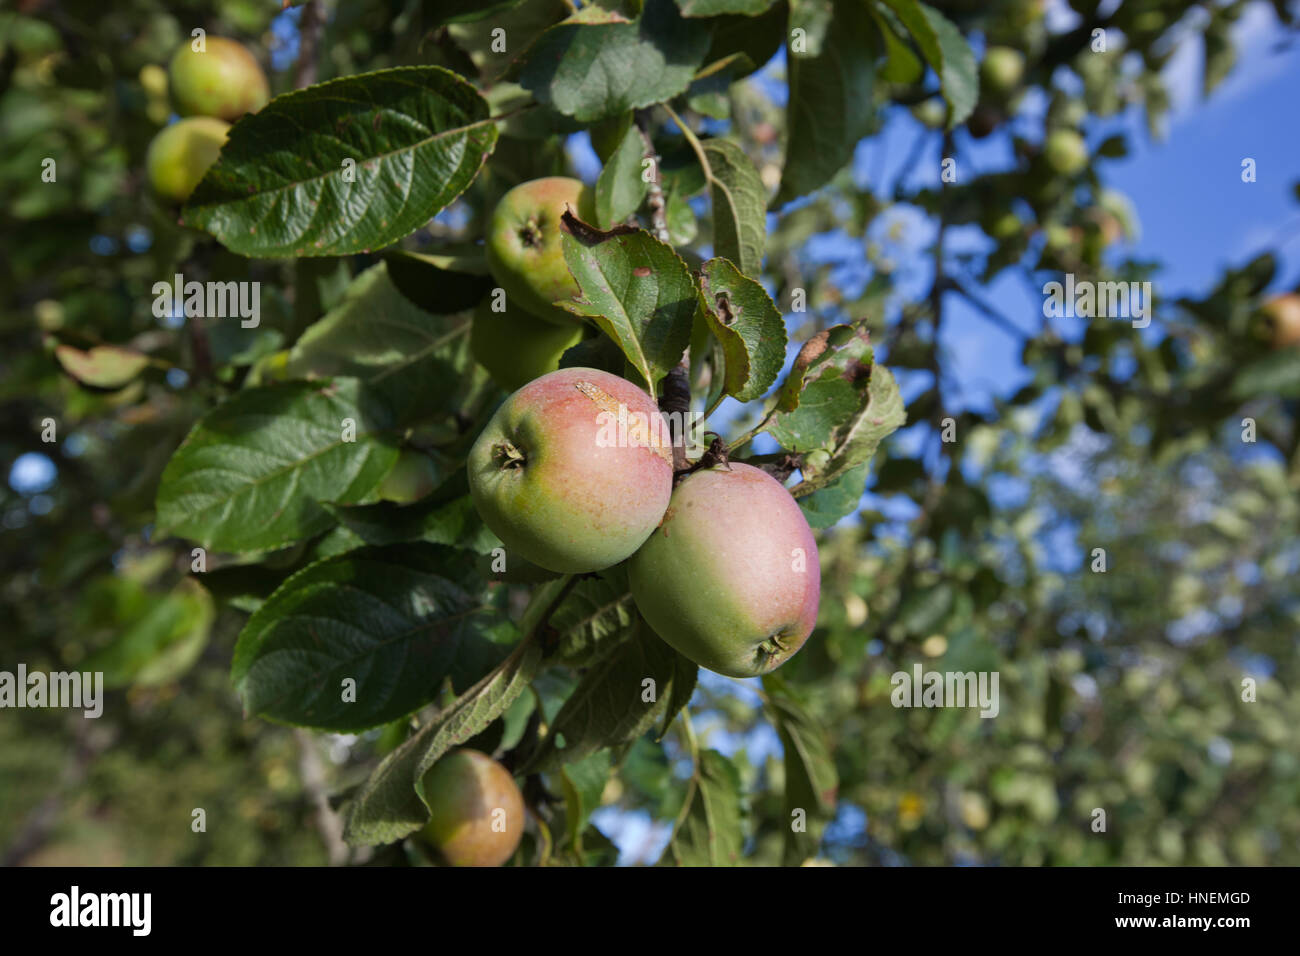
x=983, y=121
x=515, y=346
x=181, y=153
x=1065, y=151
x=561, y=483
x=731, y=577
x=476, y=813
x=931, y=112
x=1282, y=312
x=224, y=80
x=523, y=244
x=413, y=477
x=1001, y=71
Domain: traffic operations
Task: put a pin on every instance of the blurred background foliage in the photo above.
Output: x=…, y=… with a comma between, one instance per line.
x=1121, y=689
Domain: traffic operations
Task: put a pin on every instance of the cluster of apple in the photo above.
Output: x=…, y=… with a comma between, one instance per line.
x=721, y=562
x=210, y=89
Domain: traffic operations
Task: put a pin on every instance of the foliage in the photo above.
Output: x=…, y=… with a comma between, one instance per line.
x=215, y=526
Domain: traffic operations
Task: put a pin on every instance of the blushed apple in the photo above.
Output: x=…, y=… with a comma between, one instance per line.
x=561, y=483
x=476, y=812
x=731, y=577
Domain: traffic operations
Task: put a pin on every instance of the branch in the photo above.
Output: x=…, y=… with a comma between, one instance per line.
x=656, y=202
x=312, y=772
x=309, y=30
x=676, y=405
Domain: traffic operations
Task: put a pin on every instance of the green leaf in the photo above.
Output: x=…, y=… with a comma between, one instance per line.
x=902, y=66
x=739, y=205
x=347, y=166
x=438, y=519
x=1275, y=374
x=522, y=23
x=583, y=782
x=822, y=406
x=830, y=106
x=825, y=507
x=710, y=834
x=388, y=805
x=397, y=621
x=835, y=398
x=439, y=284
x=594, y=614
x=635, y=289
x=945, y=49
x=620, y=187
x=745, y=321
x=251, y=474
x=592, y=71
x=811, y=781
x=610, y=706
x=406, y=357
x=714, y=8
x=442, y=12
x=162, y=644
x=102, y=366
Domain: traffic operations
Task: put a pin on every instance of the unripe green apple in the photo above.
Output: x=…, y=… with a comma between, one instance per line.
x=413, y=477
x=561, y=483
x=181, y=153
x=1002, y=70
x=1065, y=151
x=476, y=813
x=731, y=577
x=223, y=81
x=523, y=244
x=515, y=346
x=932, y=112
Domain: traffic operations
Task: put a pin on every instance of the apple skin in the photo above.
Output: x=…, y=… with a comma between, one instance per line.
x=1002, y=70
x=463, y=789
x=717, y=580
x=556, y=487
x=515, y=346
x=181, y=153
x=1283, y=315
x=1065, y=151
x=224, y=81
x=523, y=245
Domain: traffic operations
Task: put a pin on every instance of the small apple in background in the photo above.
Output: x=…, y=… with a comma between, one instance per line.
x=180, y=154
x=932, y=112
x=414, y=476
x=1282, y=315
x=476, y=812
x=983, y=121
x=557, y=482
x=523, y=244
x=515, y=346
x=731, y=577
x=224, y=80
x=1065, y=151
x=1001, y=71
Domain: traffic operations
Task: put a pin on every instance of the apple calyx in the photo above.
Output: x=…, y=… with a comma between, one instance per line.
x=506, y=455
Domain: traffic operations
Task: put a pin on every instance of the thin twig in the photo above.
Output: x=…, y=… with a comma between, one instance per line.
x=312, y=772
x=309, y=30
x=658, y=205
